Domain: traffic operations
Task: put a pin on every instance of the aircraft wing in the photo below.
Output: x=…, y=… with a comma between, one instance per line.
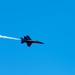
x=29, y=44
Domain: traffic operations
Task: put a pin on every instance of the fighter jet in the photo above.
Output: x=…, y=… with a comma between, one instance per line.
x=29, y=41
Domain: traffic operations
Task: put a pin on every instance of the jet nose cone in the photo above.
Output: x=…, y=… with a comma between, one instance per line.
x=42, y=43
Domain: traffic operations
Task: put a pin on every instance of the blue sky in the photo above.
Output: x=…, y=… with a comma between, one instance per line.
x=52, y=22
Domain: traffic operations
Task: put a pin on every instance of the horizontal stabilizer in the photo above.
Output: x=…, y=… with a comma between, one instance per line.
x=22, y=40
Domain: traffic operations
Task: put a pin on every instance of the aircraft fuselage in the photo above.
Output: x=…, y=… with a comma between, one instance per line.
x=28, y=40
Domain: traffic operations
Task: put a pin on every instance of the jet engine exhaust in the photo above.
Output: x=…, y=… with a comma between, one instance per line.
x=7, y=37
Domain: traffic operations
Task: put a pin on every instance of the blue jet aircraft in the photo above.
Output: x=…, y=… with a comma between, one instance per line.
x=29, y=41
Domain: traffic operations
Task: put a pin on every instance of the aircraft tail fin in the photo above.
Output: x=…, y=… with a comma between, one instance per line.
x=22, y=40
x=28, y=38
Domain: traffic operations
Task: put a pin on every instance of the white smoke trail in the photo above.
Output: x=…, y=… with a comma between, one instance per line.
x=7, y=37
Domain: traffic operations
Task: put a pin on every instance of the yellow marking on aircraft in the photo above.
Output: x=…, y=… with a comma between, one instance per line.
x=31, y=40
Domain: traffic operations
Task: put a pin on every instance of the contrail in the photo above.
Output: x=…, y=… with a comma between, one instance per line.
x=7, y=37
